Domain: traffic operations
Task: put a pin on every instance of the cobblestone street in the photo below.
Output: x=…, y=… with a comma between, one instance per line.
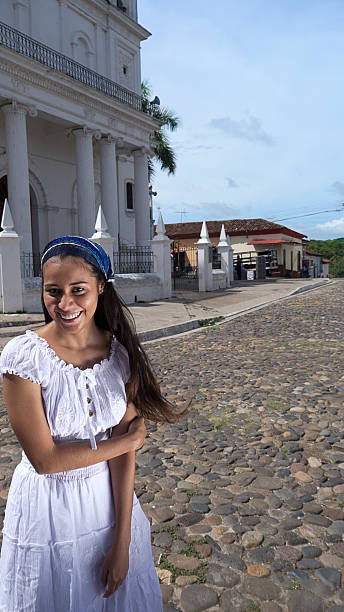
x=246, y=495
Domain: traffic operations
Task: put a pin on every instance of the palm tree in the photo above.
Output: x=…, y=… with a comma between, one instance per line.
x=163, y=151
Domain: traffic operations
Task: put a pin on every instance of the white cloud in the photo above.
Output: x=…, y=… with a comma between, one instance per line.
x=181, y=147
x=335, y=226
x=244, y=129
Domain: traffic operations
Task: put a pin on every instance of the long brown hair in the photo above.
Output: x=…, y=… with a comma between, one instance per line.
x=142, y=388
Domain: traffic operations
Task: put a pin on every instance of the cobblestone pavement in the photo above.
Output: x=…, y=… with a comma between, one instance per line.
x=246, y=495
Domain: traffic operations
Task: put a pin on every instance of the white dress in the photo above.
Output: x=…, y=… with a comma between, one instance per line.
x=58, y=527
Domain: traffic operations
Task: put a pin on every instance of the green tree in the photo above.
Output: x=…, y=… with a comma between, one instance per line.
x=333, y=250
x=164, y=154
x=337, y=265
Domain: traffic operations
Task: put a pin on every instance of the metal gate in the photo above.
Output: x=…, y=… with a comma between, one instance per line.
x=184, y=267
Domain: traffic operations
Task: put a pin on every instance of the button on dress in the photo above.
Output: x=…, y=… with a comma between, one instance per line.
x=58, y=527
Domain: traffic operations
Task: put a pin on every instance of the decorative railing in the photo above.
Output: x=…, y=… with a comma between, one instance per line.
x=128, y=260
x=30, y=264
x=249, y=259
x=216, y=259
x=23, y=44
x=131, y=260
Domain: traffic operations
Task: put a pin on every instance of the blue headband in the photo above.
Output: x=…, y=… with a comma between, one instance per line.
x=80, y=247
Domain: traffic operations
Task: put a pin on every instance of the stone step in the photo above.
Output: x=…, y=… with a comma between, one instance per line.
x=22, y=322
x=10, y=332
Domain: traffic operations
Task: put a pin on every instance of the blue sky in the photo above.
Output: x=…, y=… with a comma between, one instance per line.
x=258, y=86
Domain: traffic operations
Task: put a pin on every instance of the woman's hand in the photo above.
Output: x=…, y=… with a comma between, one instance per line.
x=138, y=430
x=115, y=568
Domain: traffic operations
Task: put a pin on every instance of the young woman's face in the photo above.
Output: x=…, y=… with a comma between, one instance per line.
x=70, y=292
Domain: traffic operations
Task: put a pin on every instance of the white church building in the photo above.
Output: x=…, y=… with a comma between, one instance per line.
x=73, y=134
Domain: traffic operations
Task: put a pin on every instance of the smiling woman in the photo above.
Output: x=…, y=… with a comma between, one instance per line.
x=76, y=390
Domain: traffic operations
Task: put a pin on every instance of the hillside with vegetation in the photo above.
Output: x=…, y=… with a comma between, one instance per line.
x=333, y=250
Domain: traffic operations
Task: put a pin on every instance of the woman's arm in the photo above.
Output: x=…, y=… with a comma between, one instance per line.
x=26, y=413
x=122, y=471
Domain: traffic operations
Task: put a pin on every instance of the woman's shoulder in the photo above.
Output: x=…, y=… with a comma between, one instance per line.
x=21, y=342
x=21, y=356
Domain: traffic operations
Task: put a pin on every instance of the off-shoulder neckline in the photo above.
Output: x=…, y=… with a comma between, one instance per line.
x=69, y=366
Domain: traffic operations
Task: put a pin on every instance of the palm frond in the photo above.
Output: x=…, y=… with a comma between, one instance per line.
x=146, y=90
x=168, y=117
x=151, y=169
x=164, y=152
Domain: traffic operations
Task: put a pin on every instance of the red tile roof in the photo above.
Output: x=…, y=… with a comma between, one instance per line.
x=314, y=253
x=232, y=226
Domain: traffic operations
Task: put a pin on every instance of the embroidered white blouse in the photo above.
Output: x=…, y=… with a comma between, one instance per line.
x=79, y=404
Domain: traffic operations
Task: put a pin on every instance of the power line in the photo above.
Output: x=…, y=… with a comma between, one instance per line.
x=319, y=212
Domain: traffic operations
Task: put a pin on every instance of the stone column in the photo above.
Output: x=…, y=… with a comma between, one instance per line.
x=109, y=189
x=10, y=272
x=101, y=235
x=21, y=14
x=18, y=171
x=64, y=42
x=231, y=260
x=85, y=180
x=224, y=250
x=205, y=268
x=141, y=198
x=161, y=247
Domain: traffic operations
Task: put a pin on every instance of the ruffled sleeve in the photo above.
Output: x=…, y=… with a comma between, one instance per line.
x=22, y=358
x=123, y=361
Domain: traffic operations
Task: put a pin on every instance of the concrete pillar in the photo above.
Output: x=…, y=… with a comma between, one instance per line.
x=63, y=24
x=10, y=272
x=161, y=247
x=224, y=250
x=21, y=15
x=101, y=235
x=205, y=268
x=141, y=198
x=109, y=189
x=85, y=180
x=231, y=260
x=18, y=171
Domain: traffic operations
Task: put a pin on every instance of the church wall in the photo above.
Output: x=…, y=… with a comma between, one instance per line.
x=52, y=162
x=90, y=34
x=52, y=167
x=125, y=170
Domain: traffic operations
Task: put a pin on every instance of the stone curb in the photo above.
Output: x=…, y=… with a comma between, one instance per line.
x=171, y=330
x=190, y=326
x=315, y=286
x=23, y=323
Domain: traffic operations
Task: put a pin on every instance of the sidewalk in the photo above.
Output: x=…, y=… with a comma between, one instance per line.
x=186, y=310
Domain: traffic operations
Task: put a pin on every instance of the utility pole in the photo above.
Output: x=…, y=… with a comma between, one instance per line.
x=182, y=212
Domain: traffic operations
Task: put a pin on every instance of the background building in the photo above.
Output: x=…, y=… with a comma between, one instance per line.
x=72, y=130
x=315, y=265
x=281, y=246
